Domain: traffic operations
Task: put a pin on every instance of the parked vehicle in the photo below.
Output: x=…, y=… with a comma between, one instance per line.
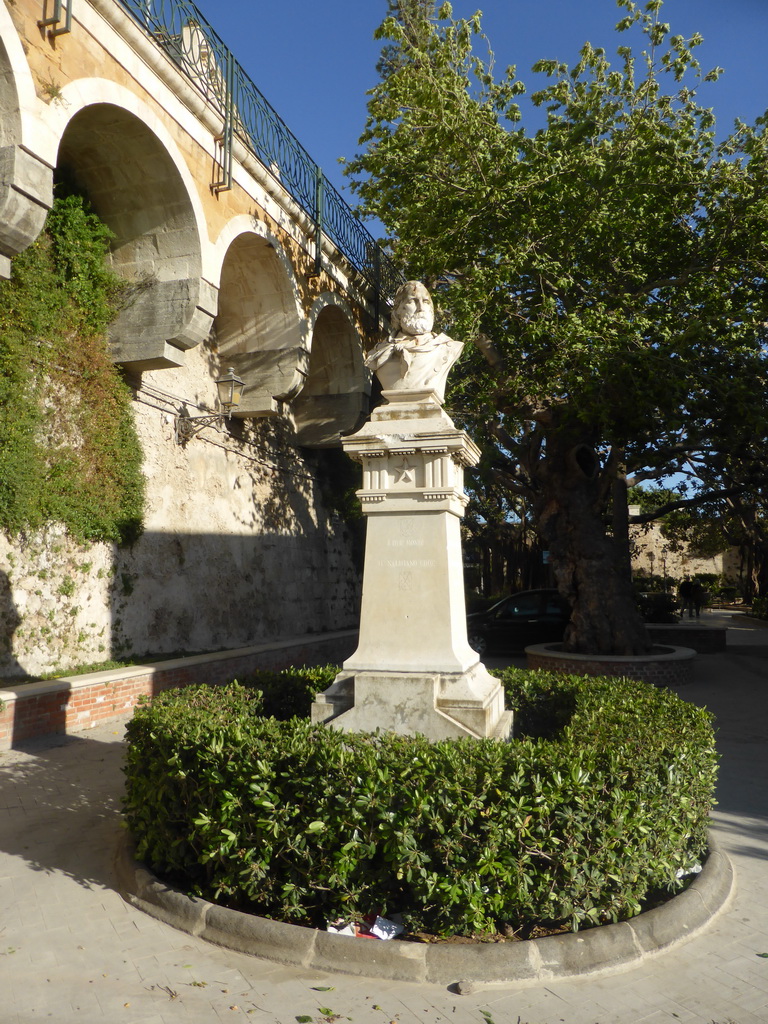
x=530, y=617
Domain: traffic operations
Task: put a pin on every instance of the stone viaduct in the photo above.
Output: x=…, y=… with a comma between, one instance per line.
x=238, y=252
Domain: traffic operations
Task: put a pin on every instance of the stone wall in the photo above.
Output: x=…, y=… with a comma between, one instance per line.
x=240, y=546
x=656, y=554
x=241, y=543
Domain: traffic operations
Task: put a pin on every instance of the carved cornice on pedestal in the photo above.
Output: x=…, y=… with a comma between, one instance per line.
x=412, y=455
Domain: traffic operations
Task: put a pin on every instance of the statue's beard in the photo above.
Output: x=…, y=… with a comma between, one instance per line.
x=416, y=323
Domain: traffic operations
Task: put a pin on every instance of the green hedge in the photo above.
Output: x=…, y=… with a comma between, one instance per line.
x=576, y=823
x=288, y=693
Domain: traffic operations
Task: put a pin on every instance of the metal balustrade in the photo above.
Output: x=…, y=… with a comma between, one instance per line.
x=181, y=30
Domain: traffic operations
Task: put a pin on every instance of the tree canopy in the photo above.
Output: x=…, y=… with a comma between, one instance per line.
x=609, y=265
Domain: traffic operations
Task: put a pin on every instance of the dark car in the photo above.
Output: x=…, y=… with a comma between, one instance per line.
x=530, y=617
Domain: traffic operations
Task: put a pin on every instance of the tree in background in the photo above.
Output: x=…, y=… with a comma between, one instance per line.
x=609, y=266
x=698, y=531
x=720, y=501
x=500, y=546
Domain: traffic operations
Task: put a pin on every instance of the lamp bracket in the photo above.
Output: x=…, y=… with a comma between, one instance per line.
x=187, y=426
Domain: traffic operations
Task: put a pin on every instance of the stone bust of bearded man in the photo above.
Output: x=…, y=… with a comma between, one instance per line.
x=414, y=358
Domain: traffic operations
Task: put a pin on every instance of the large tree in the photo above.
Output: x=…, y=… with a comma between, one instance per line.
x=609, y=265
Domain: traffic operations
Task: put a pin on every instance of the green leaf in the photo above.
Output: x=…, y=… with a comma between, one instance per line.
x=607, y=268
x=481, y=833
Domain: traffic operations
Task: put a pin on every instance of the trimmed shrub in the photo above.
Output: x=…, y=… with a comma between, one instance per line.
x=288, y=693
x=303, y=823
x=658, y=607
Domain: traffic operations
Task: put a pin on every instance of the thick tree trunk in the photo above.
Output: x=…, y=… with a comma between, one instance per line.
x=758, y=551
x=620, y=523
x=605, y=619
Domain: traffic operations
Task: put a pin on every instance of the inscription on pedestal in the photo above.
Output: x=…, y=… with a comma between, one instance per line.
x=411, y=563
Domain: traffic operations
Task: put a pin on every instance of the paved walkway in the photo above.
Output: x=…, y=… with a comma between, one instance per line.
x=72, y=951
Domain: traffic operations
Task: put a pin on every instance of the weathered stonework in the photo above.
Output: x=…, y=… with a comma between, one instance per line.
x=238, y=548
x=414, y=671
x=110, y=106
x=240, y=544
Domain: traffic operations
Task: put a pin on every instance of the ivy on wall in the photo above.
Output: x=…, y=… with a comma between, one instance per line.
x=69, y=451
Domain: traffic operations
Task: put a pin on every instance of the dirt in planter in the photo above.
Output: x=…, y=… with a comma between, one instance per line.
x=534, y=931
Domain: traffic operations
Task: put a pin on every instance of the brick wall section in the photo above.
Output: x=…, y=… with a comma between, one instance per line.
x=73, y=704
x=676, y=672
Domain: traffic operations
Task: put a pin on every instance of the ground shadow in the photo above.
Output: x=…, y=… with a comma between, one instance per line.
x=60, y=801
x=734, y=687
x=10, y=619
x=176, y=594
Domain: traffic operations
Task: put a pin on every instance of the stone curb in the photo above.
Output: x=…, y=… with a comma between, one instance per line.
x=536, y=960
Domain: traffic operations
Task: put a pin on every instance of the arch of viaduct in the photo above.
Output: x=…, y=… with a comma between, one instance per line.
x=210, y=242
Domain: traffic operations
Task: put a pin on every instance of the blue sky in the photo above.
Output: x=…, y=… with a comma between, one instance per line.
x=315, y=59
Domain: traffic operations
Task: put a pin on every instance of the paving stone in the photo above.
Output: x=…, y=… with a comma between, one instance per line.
x=82, y=953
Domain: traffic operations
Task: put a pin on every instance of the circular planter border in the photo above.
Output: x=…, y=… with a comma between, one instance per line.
x=537, y=960
x=670, y=666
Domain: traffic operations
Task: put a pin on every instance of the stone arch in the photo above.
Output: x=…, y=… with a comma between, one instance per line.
x=140, y=187
x=25, y=181
x=260, y=327
x=334, y=399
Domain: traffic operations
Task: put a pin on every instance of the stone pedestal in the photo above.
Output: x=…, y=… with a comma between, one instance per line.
x=414, y=671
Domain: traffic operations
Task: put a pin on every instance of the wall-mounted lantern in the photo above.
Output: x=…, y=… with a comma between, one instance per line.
x=230, y=388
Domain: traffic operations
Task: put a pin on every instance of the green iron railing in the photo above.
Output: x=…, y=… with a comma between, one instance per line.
x=182, y=31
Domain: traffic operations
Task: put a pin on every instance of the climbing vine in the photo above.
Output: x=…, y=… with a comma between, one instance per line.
x=69, y=451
